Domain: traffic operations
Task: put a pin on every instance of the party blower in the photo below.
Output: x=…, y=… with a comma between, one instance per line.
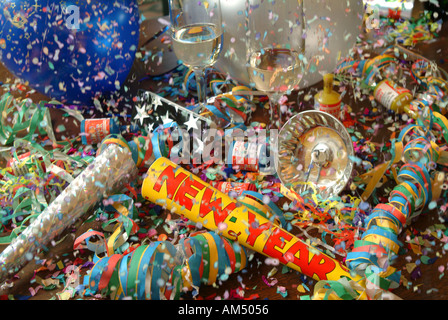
x=116, y=165
x=169, y=185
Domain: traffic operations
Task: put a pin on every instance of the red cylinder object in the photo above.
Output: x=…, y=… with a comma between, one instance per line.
x=237, y=187
x=15, y=163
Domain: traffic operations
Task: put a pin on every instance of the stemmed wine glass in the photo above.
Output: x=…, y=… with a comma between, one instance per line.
x=275, y=47
x=196, y=31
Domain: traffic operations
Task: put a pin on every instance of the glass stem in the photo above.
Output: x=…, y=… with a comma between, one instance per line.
x=201, y=85
x=275, y=110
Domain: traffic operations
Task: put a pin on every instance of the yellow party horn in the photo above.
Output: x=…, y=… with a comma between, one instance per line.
x=180, y=191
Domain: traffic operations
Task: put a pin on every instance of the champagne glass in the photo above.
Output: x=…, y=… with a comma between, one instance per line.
x=196, y=30
x=275, y=47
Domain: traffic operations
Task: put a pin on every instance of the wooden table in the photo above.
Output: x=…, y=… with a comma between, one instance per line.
x=431, y=285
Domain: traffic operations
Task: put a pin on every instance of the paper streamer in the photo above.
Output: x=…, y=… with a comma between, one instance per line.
x=379, y=245
x=163, y=271
x=230, y=107
x=372, y=255
x=169, y=185
x=121, y=227
x=366, y=69
x=408, y=32
x=28, y=117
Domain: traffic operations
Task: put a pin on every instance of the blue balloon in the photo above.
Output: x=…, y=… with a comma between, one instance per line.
x=71, y=51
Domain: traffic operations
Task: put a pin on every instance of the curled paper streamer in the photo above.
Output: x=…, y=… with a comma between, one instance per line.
x=169, y=185
x=28, y=117
x=109, y=172
x=406, y=200
x=408, y=33
x=379, y=245
x=231, y=107
x=366, y=69
x=121, y=227
x=416, y=147
x=162, y=271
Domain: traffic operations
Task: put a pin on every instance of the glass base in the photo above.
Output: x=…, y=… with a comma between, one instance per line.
x=275, y=112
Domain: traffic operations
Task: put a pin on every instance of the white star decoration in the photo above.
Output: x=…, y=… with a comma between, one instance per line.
x=175, y=105
x=150, y=127
x=191, y=123
x=141, y=114
x=166, y=119
x=156, y=101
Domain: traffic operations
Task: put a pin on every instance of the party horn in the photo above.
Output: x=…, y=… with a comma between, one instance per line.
x=114, y=167
x=180, y=191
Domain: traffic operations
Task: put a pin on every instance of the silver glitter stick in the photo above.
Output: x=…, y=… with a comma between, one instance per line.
x=108, y=173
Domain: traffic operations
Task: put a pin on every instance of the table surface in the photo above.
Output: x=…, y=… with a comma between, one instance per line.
x=430, y=285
